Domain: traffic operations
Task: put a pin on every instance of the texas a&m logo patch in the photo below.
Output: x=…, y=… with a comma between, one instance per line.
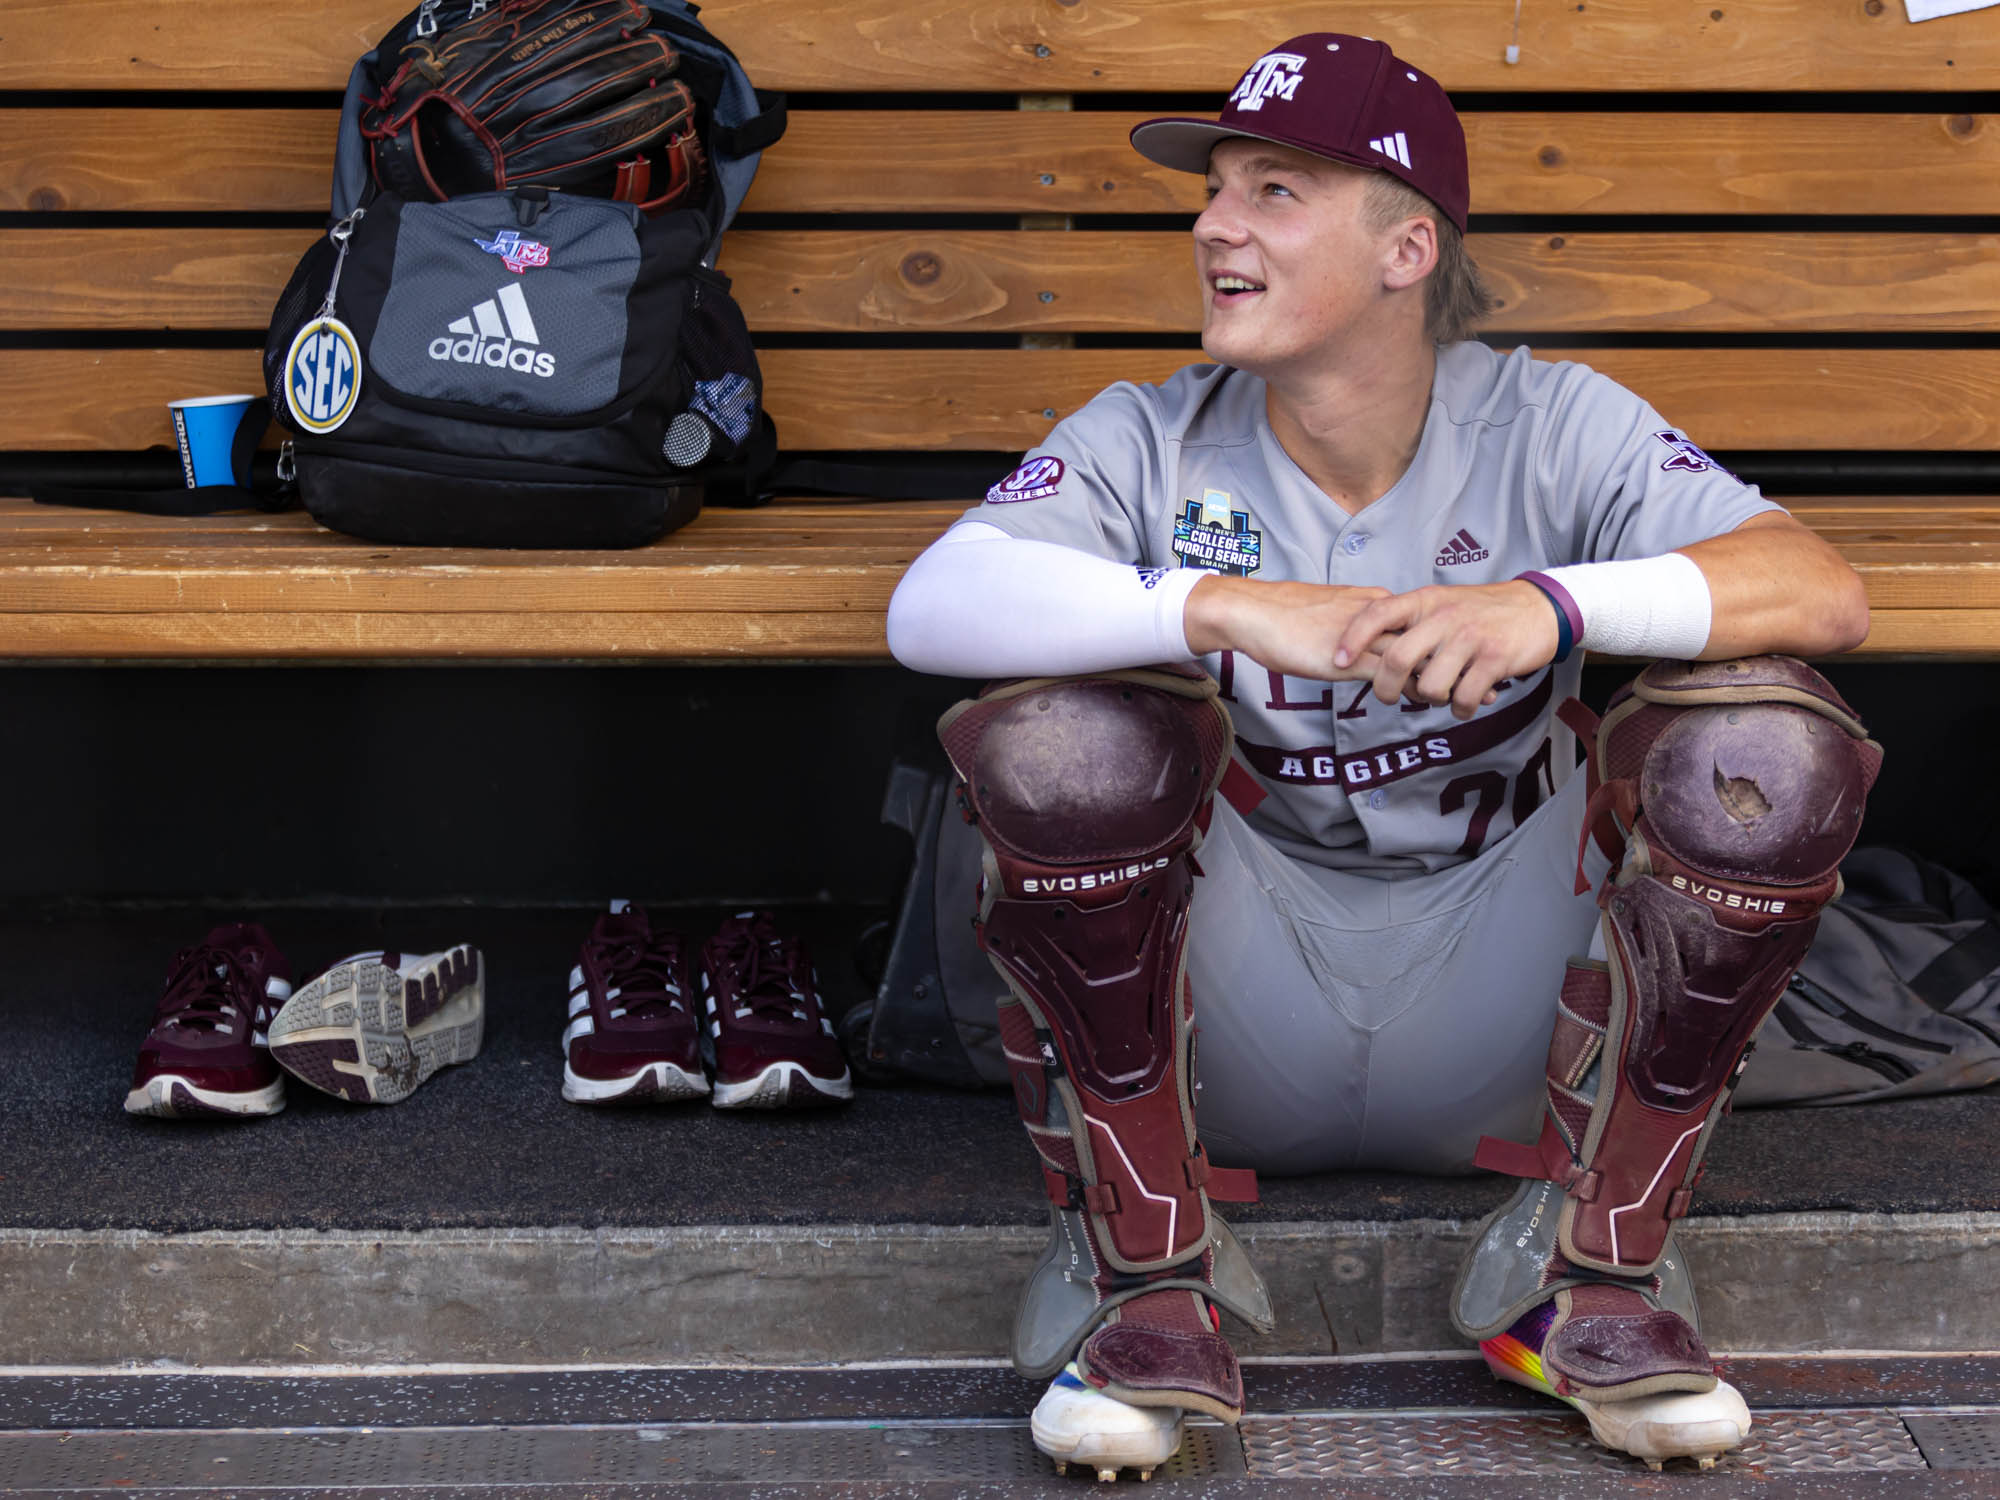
x=515, y=253
x=1685, y=455
x=1037, y=479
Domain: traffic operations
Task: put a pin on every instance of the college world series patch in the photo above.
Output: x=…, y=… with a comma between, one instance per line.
x=1209, y=533
x=1037, y=479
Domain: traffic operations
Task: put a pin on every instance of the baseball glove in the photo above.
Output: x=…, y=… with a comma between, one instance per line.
x=577, y=95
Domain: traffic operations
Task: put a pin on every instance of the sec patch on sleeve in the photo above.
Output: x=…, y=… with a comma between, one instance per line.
x=1037, y=479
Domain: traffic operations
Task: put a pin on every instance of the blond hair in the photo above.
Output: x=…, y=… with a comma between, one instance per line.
x=1455, y=298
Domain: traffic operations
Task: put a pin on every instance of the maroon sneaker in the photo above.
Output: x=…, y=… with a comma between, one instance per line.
x=773, y=1044
x=206, y=1054
x=632, y=1036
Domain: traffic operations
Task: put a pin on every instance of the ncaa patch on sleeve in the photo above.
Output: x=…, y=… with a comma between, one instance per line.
x=1037, y=479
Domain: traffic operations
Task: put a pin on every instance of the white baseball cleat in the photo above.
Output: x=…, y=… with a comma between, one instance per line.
x=1074, y=1424
x=1679, y=1424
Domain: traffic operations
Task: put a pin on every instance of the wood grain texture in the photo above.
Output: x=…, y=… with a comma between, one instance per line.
x=985, y=281
x=689, y=637
x=1143, y=282
x=146, y=278
x=1012, y=161
x=196, y=160
x=732, y=585
x=80, y=400
x=1071, y=45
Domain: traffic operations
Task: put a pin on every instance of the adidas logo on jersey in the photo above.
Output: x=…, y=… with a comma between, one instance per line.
x=1395, y=147
x=500, y=332
x=1463, y=548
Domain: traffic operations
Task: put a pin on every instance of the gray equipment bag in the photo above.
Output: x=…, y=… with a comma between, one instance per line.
x=1899, y=994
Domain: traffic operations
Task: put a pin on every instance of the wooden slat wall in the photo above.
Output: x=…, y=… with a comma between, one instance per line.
x=1072, y=46
x=826, y=281
x=809, y=580
x=982, y=400
x=1007, y=281
x=1005, y=161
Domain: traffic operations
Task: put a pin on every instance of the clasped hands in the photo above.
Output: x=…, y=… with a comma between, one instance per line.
x=1440, y=644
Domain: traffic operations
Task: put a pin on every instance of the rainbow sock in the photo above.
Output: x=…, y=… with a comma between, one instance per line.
x=1516, y=1355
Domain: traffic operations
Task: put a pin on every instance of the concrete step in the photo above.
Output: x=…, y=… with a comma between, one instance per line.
x=784, y=1294
x=1862, y=1426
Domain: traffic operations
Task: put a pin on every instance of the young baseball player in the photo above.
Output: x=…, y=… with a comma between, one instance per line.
x=1416, y=938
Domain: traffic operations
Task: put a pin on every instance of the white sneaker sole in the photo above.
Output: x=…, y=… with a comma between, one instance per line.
x=171, y=1097
x=347, y=1033
x=1083, y=1427
x=1700, y=1425
x=783, y=1085
x=655, y=1083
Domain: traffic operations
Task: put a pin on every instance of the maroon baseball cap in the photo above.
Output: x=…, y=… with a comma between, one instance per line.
x=1348, y=98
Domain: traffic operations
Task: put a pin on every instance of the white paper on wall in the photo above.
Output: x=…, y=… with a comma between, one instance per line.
x=1930, y=10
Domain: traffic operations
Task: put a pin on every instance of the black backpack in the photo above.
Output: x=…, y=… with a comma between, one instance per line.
x=527, y=367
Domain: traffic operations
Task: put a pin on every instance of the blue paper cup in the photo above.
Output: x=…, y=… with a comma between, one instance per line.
x=205, y=427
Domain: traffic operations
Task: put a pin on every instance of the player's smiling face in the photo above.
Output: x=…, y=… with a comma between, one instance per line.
x=1289, y=269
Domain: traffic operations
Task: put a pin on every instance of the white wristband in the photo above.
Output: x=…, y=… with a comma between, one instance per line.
x=1648, y=606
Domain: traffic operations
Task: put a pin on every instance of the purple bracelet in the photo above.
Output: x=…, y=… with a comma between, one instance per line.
x=1569, y=619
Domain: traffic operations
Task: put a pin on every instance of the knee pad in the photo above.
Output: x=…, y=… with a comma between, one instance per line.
x=1091, y=794
x=1065, y=775
x=1727, y=793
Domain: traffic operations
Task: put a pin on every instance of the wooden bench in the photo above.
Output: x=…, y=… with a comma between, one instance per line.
x=953, y=246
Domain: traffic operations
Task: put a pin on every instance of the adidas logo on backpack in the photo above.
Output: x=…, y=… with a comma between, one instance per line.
x=485, y=339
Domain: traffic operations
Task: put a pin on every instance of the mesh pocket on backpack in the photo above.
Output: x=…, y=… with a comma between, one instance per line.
x=726, y=387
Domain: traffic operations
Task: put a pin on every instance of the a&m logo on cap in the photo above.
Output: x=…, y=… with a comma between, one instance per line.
x=1275, y=75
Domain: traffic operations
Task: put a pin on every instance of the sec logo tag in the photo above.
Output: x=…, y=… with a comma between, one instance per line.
x=323, y=375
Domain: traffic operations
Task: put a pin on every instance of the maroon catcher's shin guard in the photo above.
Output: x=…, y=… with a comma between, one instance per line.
x=1091, y=793
x=1726, y=794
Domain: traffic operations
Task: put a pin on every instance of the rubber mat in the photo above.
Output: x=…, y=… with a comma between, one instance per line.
x=492, y=1144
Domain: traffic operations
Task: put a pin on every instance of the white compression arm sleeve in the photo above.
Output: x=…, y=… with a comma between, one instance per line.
x=981, y=603
x=1645, y=606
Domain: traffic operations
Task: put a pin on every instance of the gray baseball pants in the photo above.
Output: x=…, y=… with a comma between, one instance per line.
x=1351, y=1021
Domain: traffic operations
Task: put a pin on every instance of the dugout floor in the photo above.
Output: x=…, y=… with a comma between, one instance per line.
x=492, y=1144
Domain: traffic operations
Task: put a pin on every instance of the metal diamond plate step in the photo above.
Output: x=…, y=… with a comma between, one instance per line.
x=501, y=1458
x=1958, y=1440
x=1407, y=1445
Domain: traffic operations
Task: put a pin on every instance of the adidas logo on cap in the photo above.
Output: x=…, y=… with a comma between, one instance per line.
x=1395, y=147
x=500, y=332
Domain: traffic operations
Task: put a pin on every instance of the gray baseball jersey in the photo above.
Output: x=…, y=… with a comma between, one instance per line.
x=1522, y=464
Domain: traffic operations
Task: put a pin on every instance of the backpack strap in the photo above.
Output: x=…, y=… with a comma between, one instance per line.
x=758, y=133
x=199, y=500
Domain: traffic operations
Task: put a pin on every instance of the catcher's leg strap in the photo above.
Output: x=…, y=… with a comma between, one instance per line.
x=1735, y=788
x=1090, y=794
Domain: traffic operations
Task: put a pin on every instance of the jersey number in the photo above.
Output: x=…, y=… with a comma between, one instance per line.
x=1489, y=788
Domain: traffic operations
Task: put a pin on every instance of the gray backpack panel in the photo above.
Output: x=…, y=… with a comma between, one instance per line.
x=1898, y=996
